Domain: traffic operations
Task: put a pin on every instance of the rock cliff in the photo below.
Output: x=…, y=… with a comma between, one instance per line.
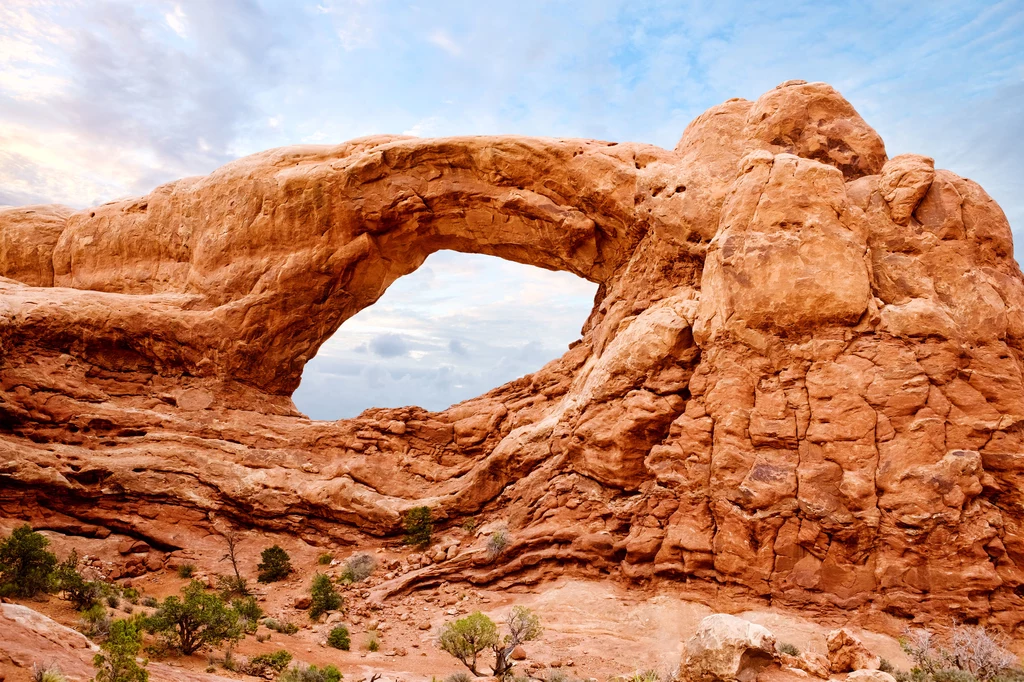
x=801, y=379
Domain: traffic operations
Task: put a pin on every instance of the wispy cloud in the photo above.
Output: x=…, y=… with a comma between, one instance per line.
x=441, y=39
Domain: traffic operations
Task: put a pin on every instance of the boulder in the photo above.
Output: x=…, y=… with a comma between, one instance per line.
x=847, y=653
x=725, y=649
x=869, y=676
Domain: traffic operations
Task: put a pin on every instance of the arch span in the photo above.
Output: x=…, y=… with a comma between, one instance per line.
x=278, y=249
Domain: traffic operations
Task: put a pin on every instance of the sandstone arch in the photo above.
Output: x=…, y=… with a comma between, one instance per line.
x=802, y=378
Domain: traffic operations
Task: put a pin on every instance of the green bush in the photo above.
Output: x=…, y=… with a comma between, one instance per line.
x=323, y=596
x=117, y=662
x=249, y=613
x=275, y=564
x=788, y=649
x=95, y=621
x=131, y=594
x=26, y=567
x=284, y=628
x=419, y=527
x=73, y=587
x=276, y=661
x=299, y=673
x=325, y=559
x=459, y=677
x=358, y=568
x=373, y=641
x=196, y=620
x=466, y=638
x=150, y=601
x=186, y=571
x=339, y=638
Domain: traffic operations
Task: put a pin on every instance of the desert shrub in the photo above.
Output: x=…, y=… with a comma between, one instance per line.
x=231, y=586
x=556, y=676
x=95, y=621
x=277, y=661
x=131, y=594
x=323, y=596
x=419, y=527
x=262, y=637
x=325, y=559
x=523, y=626
x=339, y=638
x=26, y=567
x=249, y=613
x=788, y=649
x=301, y=673
x=151, y=602
x=113, y=601
x=49, y=672
x=971, y=653
x=466, y=638
x=459, y=677
x=373, y=641
x=186, y=571
x=469, y=525
x=649, y=675
x=196, y=620
x=285, y=628
x=885, y=666
x=117, y=661
x=496, y=543
x=274, y=565
x=358, y=568
x=72, y=586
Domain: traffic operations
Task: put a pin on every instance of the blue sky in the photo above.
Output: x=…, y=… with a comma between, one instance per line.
x=102, y=99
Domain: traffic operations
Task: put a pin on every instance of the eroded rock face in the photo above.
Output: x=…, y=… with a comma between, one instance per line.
x=801, y=378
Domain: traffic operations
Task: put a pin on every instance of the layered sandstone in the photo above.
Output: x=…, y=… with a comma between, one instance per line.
x=801, y=379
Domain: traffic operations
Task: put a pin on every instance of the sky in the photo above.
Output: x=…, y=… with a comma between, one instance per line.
x=102, y=99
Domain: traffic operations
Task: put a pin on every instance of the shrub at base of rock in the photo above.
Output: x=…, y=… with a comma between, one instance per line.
x=726, y=649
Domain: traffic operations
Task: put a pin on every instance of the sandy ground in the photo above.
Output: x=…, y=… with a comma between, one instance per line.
x=593, y=629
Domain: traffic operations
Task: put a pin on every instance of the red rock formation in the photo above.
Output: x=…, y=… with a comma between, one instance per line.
x=801, y=378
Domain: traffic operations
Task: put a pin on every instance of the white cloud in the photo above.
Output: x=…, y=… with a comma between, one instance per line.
x=176, y=20
x=422, y=127
x=441, y=39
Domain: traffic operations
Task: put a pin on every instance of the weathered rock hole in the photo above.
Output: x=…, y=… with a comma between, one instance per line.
x=457, y=327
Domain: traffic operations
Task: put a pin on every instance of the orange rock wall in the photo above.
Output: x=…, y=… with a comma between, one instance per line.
x=801, y=378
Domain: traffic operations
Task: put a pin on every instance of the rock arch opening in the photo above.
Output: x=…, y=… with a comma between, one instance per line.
x=456, y=327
